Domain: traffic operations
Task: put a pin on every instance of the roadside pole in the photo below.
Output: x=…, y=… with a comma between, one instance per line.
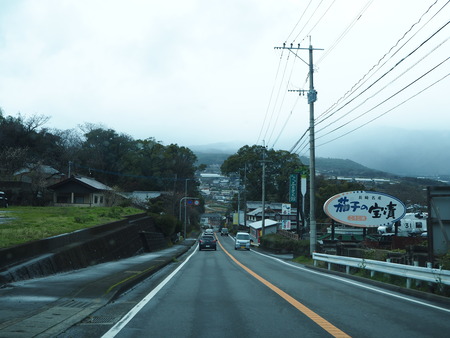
x=312, y=97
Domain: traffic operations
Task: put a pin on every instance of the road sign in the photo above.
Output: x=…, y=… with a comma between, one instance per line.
x=293, y=183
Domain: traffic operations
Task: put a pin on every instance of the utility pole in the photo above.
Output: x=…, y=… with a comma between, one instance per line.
x=245, y=195
x=239, y=205
x=185, y=209
x=244, y=190
x=312, y=97
x=263, y=197
x=181, y=200
x=70, y=168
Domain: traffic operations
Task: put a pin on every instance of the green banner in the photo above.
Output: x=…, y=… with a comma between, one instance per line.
x=293, y=184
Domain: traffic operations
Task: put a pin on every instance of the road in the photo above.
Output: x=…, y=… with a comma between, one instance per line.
x=229, y=293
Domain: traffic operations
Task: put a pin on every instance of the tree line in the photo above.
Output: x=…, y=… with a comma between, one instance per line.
x=128, y=164
x=113, y=158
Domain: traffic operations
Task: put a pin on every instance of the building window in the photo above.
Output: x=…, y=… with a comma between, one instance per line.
x=78, y=199
x=63, y=198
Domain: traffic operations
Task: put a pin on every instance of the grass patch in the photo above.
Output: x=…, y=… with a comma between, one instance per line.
x=25, y=224
x=303, y=260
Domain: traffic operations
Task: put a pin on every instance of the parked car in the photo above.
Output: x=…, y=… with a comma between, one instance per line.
x=224, y=232
x=207, y=242
x=3, y=200
x=242, y=241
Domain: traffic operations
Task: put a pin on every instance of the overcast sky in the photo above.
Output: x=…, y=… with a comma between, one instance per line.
x=196, y=72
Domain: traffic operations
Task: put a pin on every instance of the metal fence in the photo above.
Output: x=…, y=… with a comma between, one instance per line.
x=410, y=272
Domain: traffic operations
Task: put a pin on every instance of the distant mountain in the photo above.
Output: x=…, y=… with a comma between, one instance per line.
x=217, y=148
x=398, y=151
x=210, y=158
x=214, y=153
x=346, y=168
x=376, y=151
x=327, y=166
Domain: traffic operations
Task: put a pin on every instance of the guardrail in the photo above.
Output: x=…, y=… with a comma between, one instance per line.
x=410, y=272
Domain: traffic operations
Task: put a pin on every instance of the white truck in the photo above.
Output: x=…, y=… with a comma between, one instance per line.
x=412, y=224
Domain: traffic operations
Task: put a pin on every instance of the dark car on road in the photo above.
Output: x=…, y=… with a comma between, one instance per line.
x=3, y=200
x=224, y=232
x=207, y=242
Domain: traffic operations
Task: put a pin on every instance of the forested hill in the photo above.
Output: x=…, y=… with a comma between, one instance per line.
x=326, y=166
x=348, y=168
x=211, y=158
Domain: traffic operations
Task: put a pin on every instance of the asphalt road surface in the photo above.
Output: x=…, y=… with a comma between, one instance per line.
x=234, y=293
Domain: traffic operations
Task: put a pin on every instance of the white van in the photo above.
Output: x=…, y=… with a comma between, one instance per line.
x=242, y=241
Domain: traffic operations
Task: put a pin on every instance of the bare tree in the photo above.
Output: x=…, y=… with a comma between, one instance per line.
x=34, y=122
x=11, y=160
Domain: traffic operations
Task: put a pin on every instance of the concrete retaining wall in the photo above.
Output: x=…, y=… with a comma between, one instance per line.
x=80, y=249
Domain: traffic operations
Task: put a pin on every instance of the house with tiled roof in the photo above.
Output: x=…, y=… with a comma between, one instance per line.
x=81, y=191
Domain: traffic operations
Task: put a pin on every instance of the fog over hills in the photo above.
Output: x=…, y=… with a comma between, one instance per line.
x=393, y=150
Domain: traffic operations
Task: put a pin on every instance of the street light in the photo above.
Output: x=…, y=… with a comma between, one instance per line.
x=181, y=200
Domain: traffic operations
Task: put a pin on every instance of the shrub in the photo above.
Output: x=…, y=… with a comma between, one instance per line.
x=444, y=261
x=278, y=243
x=301, y=248
x=165, y=223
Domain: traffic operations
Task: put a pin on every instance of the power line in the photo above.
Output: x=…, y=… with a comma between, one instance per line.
x=386, y=73
x=301, y=17
x=276, y=99
x=379, y=116
x=387, y=99
x=311, y=16
x=298, y=141
x=351, y=91
x=387, y=85
x=295, y=148
x=282, y=102
x=285, y=123
x=345, y=32
x=320, y=19
x=270, y=99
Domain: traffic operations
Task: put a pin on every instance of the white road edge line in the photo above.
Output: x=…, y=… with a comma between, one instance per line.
x=130, y=315
x=348, y=281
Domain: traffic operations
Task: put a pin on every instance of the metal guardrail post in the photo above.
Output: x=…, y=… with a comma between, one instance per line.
x=408, y=283
x=426, y=274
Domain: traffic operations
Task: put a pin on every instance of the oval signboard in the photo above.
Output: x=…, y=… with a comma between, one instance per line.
x=364, y=208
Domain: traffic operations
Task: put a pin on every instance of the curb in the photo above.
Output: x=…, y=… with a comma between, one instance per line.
x=136, y=279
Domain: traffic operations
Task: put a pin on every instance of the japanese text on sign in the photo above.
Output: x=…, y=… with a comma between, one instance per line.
x=364, y=208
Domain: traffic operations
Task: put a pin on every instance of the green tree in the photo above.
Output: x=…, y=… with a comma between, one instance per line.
x=103, y=151
x=279, y=165
x=145, y=167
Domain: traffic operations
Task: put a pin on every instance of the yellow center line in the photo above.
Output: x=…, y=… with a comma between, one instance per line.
x=323, y=323
x=137, y=273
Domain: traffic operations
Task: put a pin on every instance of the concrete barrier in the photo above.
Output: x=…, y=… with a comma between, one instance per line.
x=77, y=250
